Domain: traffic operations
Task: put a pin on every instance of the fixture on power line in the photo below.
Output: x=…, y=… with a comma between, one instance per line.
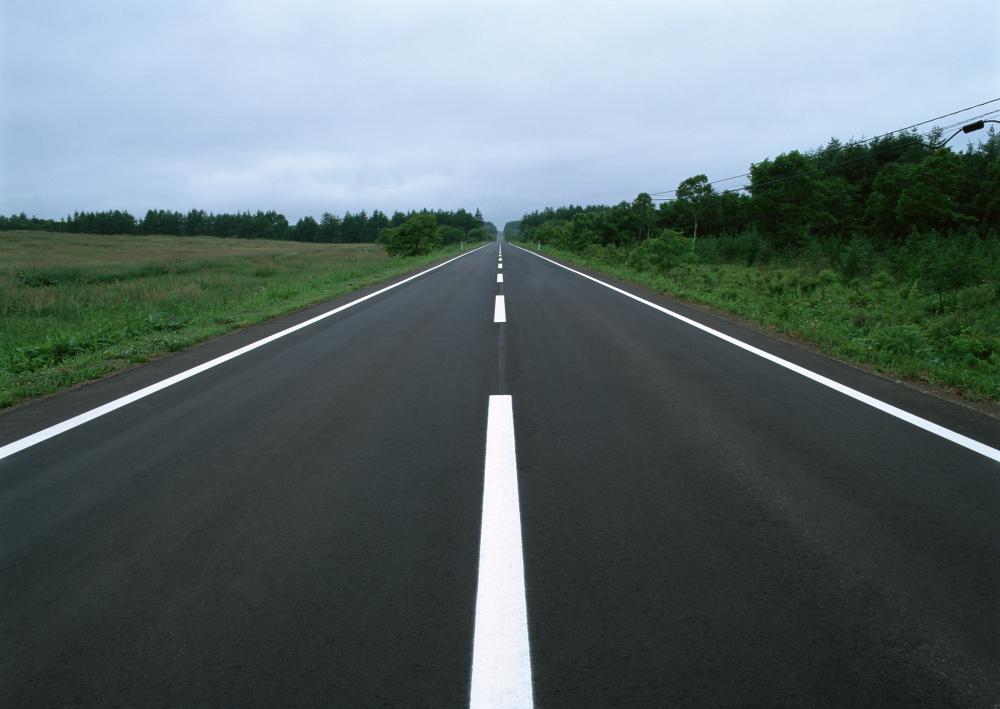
x=967, y=128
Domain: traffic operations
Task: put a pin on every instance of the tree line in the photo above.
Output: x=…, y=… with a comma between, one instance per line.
x=454, y=226
x=884, y=191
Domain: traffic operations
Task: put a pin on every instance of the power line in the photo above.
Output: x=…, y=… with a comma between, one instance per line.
x=855, y=142
x=898, y=146
x=967, y=120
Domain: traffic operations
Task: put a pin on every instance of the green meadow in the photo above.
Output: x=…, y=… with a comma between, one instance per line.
x=886, y=316
x=76, y=307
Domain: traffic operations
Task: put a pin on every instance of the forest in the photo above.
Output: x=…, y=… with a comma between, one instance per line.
x=884, y=252
x=884, y=191
x=360, y=227
x=900, y=196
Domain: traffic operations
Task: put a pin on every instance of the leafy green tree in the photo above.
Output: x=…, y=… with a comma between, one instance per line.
x=929, y=199
x=306, y=229
x=197, y=223
x=480, y=234
x=944, y=264
x=352, y=227
x=418, y=235
x=787, y=198
x=448, y=234
x=880, y=209
x=979, y=193
x=693, y=194
x=644, y=215
x=267, y=225
x=376, y=223
x=329, y=228
x=662, y=253
x=582, y=232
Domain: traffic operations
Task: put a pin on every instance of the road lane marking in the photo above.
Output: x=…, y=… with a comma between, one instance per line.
x=499, y=278
x=79, y=420
x=501, y=656
x=929, y=426
x=500, y=266
x=499, y=311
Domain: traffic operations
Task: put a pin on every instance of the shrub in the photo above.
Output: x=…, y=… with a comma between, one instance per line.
x=856, y=258
x=662, y=253
x=417, y=235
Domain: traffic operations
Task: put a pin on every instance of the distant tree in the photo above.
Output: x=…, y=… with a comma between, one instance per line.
x=329, y=228
x=644, y=215
x=693, y=195
x=376, y=223
x=979, y=192
x=788, y=199
x=266, y=225
x=448, y=234
x=418, y=235
x=306, y=229
x=353, y=227
x=161, y=221
x=197, y=223
x=880, y=209
x=930, y=198
x=480, y=234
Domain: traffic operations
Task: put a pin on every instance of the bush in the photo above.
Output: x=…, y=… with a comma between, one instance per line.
x=479, y=234
x=417, y=235
x=944, y=264
x=747, y=247
x=856, y=258
x=661, y=253
x=447, y=234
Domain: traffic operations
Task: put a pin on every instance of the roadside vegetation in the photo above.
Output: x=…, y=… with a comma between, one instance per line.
x=885, y=252
x=75, y=307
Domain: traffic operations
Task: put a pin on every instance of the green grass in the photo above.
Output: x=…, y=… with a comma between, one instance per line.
x=75, y=307
x=896, y=326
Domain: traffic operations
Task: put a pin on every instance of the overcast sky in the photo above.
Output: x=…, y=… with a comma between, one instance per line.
x=510, y=106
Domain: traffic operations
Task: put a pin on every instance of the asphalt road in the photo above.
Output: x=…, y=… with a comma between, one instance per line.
x=301, y=525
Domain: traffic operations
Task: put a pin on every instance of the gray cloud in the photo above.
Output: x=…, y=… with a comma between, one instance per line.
x=312, y=106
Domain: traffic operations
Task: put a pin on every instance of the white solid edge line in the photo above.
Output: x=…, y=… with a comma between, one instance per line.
x=79, y=420
x=501, y=655
x=499, y=310
x=929, y=426
x=499, y=278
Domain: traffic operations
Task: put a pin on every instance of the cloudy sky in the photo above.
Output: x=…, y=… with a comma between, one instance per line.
x=509, y=106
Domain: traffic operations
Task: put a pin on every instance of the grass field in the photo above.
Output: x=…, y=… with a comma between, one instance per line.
x=897, y=326
x=75, y=307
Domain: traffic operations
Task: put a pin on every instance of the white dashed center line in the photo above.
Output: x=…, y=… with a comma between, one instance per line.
x=501, y=657
x=499, y=311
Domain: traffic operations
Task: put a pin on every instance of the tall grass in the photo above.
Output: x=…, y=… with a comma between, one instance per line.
x=76, y=307
x=891, y=311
